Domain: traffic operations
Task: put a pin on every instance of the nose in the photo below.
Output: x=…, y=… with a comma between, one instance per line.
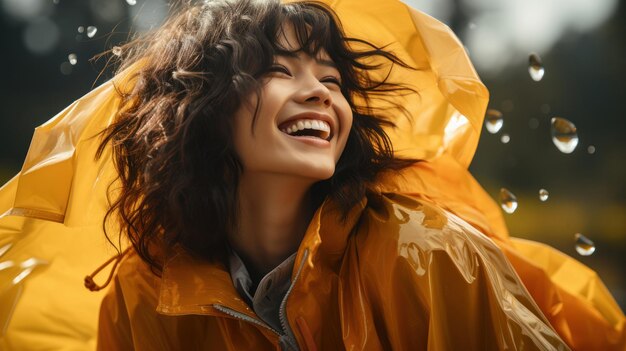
x=315, y=92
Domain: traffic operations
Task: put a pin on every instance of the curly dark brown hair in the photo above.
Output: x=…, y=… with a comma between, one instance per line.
x=172, y=139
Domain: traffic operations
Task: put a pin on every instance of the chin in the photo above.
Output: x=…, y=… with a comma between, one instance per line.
x=316, y=172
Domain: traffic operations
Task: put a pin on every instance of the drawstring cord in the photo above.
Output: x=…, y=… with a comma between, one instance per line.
x=91, y=284
x=306, y=334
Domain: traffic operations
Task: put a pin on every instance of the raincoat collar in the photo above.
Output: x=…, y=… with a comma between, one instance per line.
x=193, y=286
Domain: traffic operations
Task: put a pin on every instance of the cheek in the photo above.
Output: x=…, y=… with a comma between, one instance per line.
x=253, y=139
x=242, y=136
x=345, y=119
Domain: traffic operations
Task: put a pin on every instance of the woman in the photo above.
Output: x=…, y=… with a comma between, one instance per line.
x=248, y=121
x=266, y=207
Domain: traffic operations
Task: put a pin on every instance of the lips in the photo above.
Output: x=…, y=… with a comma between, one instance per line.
x=309, y=125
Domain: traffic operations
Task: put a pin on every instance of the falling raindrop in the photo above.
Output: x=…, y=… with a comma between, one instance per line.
x=535, y=68
x=493, y=121
x=545, y=108
x=117, y=51
x=72, y=58
x=564, y=135
x=471, y=25
x=533, y=123
x=508, y=201
x=131, y=2
x=543, y=194
x=81, y=29
x=56, y=2
x=591, y=149
x=91, y=31
x=584, y=246
x=505, y=138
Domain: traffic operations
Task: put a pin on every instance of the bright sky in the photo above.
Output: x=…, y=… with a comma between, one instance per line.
x=505, y=32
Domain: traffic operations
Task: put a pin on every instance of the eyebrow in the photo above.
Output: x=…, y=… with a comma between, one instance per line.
x=323, y=62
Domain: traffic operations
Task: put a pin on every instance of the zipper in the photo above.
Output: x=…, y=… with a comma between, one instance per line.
x=282, y=313
x=244, y=317
x=291, y=339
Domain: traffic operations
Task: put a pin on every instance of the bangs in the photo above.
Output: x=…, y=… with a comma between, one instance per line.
x=312, y=26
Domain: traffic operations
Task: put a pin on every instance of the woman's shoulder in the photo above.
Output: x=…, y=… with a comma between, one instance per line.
x=130, y=319
x=392, y=219
x=414, y=261
x=135, y=280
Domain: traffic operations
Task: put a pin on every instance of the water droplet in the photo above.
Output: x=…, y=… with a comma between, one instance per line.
x=56, y=2
x=564, y=135
x=72, y=58
x=81, y=29
x=584, y=246
x=131, y=2
x=505, y=138
x=508, y=201
x=493, y=121
x=591, y=149
x=533, y=123
x=543, y=194
x=91, y=31
x=117, y=51
x=545, y=108
x=535, y=68
x=471, y=25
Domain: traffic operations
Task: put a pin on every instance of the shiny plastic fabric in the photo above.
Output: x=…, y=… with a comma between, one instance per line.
x=400, y=274
x=416, y=274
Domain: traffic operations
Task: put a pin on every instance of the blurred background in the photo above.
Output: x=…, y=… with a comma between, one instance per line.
x=578, y=73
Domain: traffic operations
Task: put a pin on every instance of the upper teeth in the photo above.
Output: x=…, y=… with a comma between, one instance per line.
x=302, y=124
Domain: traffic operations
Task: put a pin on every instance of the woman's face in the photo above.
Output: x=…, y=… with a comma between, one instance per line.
x=303, y=120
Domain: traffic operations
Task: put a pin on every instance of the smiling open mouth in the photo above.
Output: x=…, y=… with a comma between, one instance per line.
x=307, y=127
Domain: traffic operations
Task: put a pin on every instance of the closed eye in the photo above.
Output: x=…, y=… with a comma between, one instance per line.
x=331, y=79
x=280, y=69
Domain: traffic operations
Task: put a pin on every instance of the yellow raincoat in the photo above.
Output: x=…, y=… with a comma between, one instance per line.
x=429, y=265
